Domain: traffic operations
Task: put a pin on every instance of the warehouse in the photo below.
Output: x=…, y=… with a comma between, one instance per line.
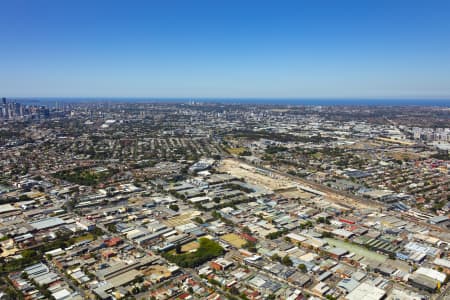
x=367, y=292
x=47, y=223
x=124, y=278
x=7, y=208
x=423, y=282
x=438, y=220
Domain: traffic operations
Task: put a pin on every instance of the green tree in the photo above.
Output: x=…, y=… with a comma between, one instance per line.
x=24, y=197
x=26, y=254
x=286, y=261
x=198, y=220
x=302, y=268
x=246, y=230
x=111, y=228
x=250, y=246
x=174, y=207
x=275, y=257
x=207, y=250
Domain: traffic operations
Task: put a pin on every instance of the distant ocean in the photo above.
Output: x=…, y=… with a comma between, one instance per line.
x=324, y=102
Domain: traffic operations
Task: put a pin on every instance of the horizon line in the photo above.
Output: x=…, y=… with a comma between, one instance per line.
x=447, y=98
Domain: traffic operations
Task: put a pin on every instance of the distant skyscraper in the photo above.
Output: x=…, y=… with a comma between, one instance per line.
x=4, y=100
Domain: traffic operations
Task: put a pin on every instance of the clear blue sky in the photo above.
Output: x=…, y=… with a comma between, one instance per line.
x=189, y=48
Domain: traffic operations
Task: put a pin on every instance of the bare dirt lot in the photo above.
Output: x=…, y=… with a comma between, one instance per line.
x=254, y=176
x=275, y=180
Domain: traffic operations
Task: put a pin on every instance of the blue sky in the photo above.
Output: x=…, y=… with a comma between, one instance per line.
x=225, y=49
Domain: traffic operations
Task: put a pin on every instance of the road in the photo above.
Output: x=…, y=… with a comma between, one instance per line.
x=331, y=193
x=67, y=280
x=306, y=291
x=341, y=197
x=189, y=271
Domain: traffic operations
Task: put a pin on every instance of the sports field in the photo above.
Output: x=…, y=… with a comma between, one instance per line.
x=190, y=246
x=234, y=240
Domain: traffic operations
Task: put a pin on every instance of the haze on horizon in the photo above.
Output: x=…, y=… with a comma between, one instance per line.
x=269, y=49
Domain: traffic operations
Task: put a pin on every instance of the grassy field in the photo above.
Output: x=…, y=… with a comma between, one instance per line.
x=207, y=250
x=84, y=176
x=237, y=151
x=403, y=155
x=234, y=240
x=84, y=238
x=190, y=246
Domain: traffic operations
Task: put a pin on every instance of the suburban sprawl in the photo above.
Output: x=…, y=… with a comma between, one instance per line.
x=111, y=200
